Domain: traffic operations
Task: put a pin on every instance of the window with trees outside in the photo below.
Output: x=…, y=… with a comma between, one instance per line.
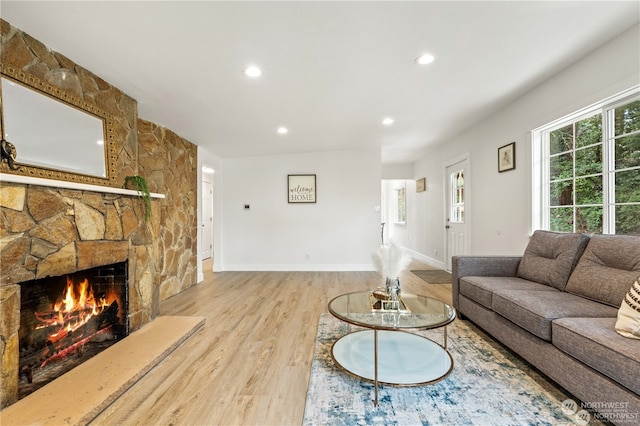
x=401, y=205
x=588, y=169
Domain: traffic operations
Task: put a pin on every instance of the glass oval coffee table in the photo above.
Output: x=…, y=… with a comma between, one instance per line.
x=383, y=352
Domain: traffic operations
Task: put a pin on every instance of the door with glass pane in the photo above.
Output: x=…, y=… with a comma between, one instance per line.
x=457, y=234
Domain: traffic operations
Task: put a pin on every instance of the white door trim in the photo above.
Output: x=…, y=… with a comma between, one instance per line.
x=465, y=156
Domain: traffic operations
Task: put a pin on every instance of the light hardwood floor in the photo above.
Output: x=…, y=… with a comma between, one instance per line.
x=250, y=363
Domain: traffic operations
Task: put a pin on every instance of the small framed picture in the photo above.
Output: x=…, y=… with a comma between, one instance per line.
x=421, y=185
x=301, y=188
x=507, y=157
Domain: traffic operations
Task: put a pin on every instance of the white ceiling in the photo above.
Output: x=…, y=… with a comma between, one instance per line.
x=331, y=70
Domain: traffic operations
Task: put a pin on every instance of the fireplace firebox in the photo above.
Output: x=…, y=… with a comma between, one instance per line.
x=66, y=320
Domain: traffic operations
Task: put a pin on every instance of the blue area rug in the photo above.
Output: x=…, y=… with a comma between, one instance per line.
x=488, y=386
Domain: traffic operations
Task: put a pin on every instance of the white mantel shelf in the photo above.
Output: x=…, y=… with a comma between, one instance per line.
x=28, y=180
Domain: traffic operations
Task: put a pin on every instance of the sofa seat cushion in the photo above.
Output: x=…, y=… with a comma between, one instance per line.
x=535, y=310
x=595, y=342
x=606, y=270
x=551, y=256
x=480, y=289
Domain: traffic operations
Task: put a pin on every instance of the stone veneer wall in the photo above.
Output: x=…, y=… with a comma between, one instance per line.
x=51, y=231
x=170, y=164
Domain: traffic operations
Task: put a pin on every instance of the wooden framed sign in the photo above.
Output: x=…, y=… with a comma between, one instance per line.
x=301, y=188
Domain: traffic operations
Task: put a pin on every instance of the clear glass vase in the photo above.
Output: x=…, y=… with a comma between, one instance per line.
x=392, y=286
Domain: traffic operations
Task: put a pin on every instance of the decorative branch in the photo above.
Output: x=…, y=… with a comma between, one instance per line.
x=390, y=260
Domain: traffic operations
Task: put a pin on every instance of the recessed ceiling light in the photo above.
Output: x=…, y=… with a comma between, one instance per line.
x=388, y=121
x=424, y=59
x=283, y=130
x=252, y=71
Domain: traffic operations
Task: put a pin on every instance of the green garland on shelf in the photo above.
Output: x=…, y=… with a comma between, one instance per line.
x=139, y=183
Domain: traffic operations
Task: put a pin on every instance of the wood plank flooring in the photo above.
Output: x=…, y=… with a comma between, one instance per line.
x=250, y=363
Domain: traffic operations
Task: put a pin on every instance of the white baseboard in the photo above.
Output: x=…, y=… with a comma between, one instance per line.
x=426, y=259
x=298, y=267
x=320, y=267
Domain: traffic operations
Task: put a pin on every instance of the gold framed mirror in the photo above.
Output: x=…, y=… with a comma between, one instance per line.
x=55, y=134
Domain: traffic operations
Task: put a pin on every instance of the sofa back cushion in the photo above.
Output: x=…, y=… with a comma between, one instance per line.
x=606, y=270
x=551, y=256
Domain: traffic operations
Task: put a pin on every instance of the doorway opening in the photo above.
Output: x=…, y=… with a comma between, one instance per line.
x=393, y=211
x=207, y=213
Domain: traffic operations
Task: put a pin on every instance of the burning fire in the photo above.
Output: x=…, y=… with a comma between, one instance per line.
x=74, y=309
x=83, y=317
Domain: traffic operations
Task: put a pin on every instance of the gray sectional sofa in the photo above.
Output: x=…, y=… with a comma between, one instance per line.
x=556, y=306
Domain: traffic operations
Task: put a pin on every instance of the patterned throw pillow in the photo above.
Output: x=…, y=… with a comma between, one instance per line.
x=628, y=324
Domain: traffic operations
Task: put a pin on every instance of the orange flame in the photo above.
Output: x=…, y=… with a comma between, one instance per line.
x=75, y=308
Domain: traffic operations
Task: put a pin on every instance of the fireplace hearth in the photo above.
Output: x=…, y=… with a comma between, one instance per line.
x=68, y=319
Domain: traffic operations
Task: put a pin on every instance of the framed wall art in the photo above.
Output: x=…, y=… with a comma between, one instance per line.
x=507, y=157
x=301, y=188
x=421, y=185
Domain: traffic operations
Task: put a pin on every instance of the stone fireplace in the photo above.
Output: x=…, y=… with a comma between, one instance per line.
x=54, y=230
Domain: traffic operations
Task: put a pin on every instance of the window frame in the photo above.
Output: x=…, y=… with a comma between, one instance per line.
x=454, y=201
x=540, y=155
x=400, y=214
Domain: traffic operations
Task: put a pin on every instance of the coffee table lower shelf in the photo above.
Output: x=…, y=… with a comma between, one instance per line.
x=404, y=359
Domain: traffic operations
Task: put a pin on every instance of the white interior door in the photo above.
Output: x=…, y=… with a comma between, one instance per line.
x=207, y=220
x=457, y=233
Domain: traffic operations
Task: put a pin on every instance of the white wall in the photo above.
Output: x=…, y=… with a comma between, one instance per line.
x=339, y=232
x=500, y=203
x=397, y=171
